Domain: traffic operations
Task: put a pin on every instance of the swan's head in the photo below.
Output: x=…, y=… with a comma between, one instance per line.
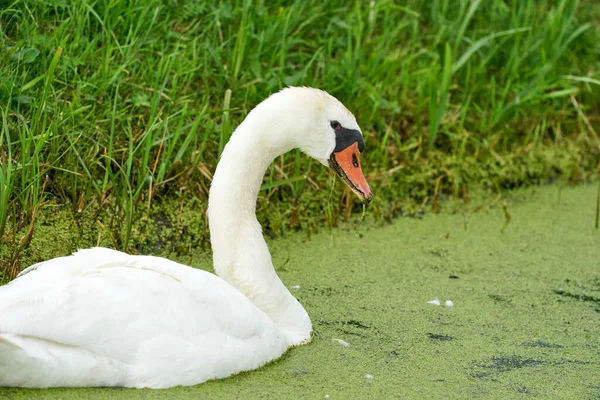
x=325, y=130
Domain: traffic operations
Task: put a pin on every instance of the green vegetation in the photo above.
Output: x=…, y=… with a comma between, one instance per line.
x=524, y=322
x=113, y=109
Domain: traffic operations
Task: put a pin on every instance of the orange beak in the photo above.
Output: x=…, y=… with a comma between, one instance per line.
x=346, y=164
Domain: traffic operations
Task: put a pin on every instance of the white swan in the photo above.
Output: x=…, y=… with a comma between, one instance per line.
x=105, y=318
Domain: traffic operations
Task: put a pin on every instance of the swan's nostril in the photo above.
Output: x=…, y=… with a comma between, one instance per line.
x=354, y=160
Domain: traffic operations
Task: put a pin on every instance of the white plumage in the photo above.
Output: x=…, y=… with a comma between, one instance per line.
x=105, y=318
x=131, y=321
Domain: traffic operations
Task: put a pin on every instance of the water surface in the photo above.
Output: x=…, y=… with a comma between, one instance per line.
x=525, y=320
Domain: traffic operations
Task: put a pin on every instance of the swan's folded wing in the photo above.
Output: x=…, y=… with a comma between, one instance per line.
x=120, y=306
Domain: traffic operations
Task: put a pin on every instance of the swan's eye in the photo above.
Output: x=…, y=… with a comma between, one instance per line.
x=336, y=125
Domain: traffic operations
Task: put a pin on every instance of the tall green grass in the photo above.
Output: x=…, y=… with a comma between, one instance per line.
x=113, y=104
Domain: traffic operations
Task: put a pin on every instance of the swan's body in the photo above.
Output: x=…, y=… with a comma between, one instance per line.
x=129, y=321
x=105, y=318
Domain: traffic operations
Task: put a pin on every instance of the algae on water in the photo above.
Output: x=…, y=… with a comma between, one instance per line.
x=524, y=320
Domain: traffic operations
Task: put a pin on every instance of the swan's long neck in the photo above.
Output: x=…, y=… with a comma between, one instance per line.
x=241, y=256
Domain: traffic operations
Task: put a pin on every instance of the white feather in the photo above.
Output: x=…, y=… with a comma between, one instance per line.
x=435, y=302
x=126, y=318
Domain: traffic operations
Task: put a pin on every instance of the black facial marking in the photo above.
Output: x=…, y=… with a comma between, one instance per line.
x=345, y=137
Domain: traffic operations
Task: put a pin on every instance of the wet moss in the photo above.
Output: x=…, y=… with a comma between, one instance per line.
x=175, y=221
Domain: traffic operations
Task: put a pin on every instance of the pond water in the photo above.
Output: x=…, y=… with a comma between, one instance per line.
x=524, y=317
